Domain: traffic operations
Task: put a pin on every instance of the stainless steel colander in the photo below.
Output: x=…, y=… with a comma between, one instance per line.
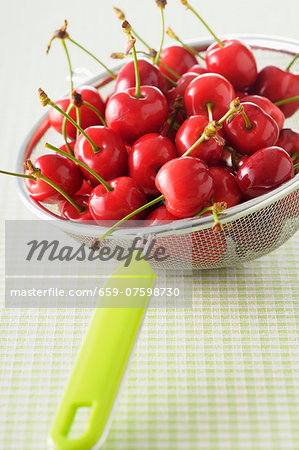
x=251, y=229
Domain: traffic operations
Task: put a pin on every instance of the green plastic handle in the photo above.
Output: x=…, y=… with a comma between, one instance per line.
x=102, y=361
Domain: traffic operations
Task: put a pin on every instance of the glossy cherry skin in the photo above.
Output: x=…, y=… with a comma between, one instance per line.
x=186, y=184
x=147, y=156
x=88, y=117
x=115, y=205
x=264, y=132
x=226, y=188
x=178, y=59
x=277, y=84
x=268, y=107
x=209, y=87
x=132, y=117
x=85, y=189
x=179, y=90
x=289, y=140
x=159, y=216
x=110, y=161
x=69, y=212
x=264, y=171
x=59, y=169
x=150, y=75
x=197, y=68
x=235, y=61
x=189, y=132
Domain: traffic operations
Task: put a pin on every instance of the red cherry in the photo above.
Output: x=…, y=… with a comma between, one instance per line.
x=264, y=131
x=159, y=216
x=150, y=75
x=69, y=212
x=197, y=68
x=186, y=184
x=172, y=134
x=264, y=171
x=178, y=59
x=277, y=84
x=180, y=89
x=147, y=156
x=61, y=171
x=235, y=61
x=125, y=198
x=189, y=132
x=289, y=140
x=110, y=161
x=85, y=189
x=268, y=107
x=132, y=117
x=88, y=117
x=209, y=88
x=226, y=188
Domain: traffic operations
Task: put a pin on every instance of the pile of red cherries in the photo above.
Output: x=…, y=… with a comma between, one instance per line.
x=175, y=139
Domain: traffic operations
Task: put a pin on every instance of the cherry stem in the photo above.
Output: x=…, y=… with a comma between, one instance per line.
x=296, y=166
x=294, y=156
x=173, y=72
x=88, y=105
x=199, y=141
x=68, y=111
x=121, y=16
x=172, y=35
x=37, y=174
x=169, y=80
x=69, y=63
x=45, y=100
x=137, y=75
x=172, y=122
x=80, y=163
x=142, y=208
x=157, y=58
x=292, y=62
x=188, y=6
x=18, y=175
x=248, y=124
x=209, y=107
x=78, y=118
x=287, y=100
x=92, y=56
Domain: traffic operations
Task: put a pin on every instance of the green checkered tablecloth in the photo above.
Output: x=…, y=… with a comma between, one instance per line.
x=223, y=374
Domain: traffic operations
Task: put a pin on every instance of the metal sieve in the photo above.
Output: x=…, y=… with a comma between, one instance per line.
x=251, y=229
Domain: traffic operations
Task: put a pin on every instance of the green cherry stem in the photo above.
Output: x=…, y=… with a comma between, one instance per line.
x=121, y=16
x=78, y=119
x=209, y=107
x=88, y=105
x=294, y=156
x=248, y=124
x=68, y=111
x=80, y=163
x=45, y=100
x=296, y=166
x=20, y=175
x=37, y=174
x=172, y=122
x=92, y=56
x=188, y=6
x=292, y=62
x=192, y=50
x=287, y=100
x=161, y=4
x=142, y=208
x=137, y=75
x=69, y=63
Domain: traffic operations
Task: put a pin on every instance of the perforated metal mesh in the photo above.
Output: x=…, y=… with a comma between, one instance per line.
x=247, y=234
